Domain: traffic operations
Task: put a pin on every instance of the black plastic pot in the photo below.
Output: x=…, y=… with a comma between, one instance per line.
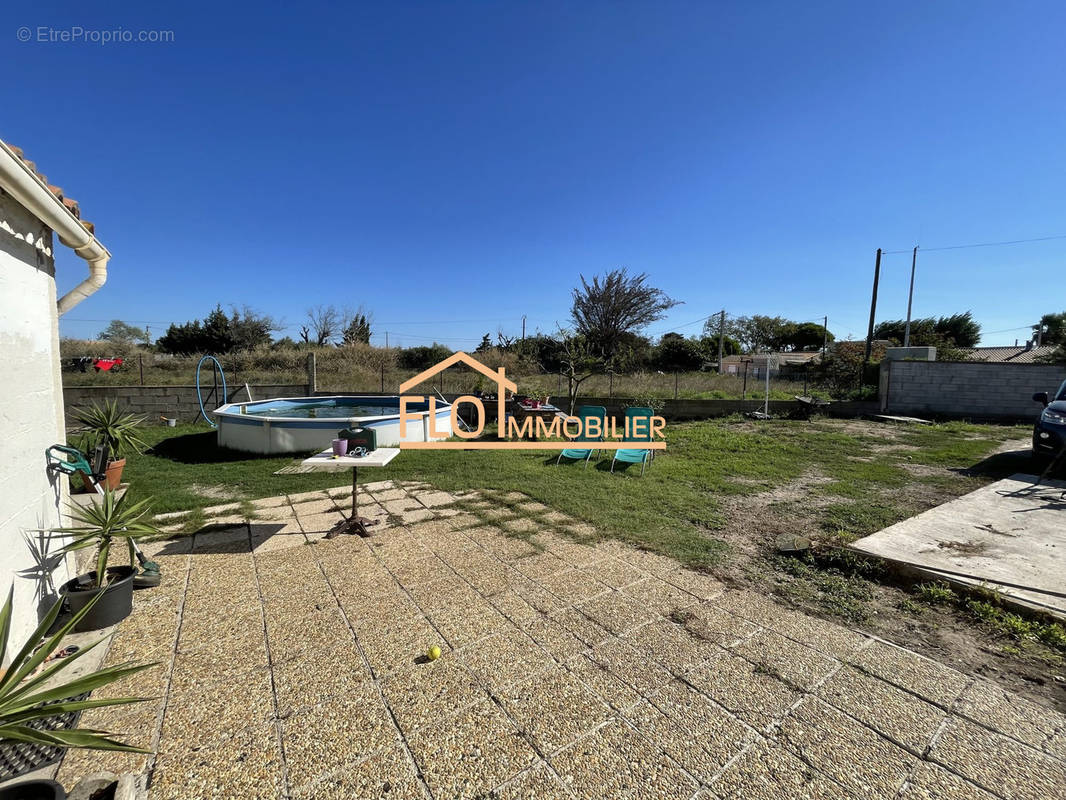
x=33, y=790
x=112, y=608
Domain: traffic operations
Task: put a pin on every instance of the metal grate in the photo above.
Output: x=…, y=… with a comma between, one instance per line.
x=18, y=758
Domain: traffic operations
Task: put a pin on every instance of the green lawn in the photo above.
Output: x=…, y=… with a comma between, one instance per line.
x=676, y=508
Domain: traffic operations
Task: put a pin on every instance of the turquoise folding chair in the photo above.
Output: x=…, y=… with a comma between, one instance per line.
x=639, y=420
x=579, y=454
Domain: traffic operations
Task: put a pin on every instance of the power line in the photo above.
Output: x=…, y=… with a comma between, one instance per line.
x=981, y=244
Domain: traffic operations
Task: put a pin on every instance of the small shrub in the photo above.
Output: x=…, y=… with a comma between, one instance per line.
x=937, y=593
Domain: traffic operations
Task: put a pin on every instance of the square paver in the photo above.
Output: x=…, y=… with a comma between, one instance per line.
x=791, y=662
x=752, y=694
x=915, y=673
x=997, y=763
x=386, y=773
x=245, y=763
x=669, y=644
x=539, y=782
x=471, y=752
x=900, y=716
x=765, y=771
x=505, y=658
x=321, y=739
x=695, y=732
x=996, y=708
x=711, y=624
x=615, y=611
x=930, y=782
x=618, y=761
x=613, y=572
x=844, y=749
x=608, y=685
x=429, y=691
x=631, y=666
x=554, y=708
x=826, y=637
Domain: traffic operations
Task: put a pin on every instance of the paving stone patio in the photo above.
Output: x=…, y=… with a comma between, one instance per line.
x=291, y=666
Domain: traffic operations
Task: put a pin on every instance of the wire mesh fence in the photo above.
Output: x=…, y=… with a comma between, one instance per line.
x=373, y=370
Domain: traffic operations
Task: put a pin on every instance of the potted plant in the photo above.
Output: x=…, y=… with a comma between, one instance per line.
x=108, y=589
x=106, y=425
x=34, y=694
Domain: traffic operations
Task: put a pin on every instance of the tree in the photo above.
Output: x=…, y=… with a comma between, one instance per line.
x=119, y=332
x=323, y=324
x=579, y=360
x=760, y=332
x=675, y=353
x=611, y=307
x=357, y=331
x=730, y=347
x=1053, y=326
x=958, y=330
x=213, y=335
x=486, y=344
x=807, y=336
x=420, y=358
x=250, y=329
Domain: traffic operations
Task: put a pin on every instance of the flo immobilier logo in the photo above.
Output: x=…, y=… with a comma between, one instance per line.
x=520, y=430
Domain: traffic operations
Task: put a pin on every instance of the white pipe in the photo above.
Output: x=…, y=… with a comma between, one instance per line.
x=28, y=189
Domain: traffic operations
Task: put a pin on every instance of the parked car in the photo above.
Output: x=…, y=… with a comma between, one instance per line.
x=1049, y=433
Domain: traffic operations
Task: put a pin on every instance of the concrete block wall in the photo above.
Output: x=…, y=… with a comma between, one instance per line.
x=179, y=402
x=977, y=390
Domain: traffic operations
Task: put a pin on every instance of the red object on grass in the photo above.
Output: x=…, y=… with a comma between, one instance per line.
x=106, y=364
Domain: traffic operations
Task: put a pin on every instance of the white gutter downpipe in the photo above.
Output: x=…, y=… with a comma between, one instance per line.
x=21, y=183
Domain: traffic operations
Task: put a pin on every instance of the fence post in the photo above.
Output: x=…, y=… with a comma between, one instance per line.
x=383, y=378
x=140, y=363
x=610, y=389
x=312, y=374
x=675, y=385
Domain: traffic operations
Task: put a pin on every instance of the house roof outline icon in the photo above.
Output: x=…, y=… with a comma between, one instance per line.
x=467, y=359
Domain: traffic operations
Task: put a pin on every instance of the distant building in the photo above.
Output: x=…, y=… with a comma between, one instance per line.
x=755, y=364
x=1024, y=354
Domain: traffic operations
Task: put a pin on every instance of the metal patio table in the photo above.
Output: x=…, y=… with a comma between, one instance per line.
x=331, y=463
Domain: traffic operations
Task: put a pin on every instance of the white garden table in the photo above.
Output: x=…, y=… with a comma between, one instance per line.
x=331, y=463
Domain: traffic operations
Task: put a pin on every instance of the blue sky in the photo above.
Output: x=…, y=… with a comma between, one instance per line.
x=453, y=166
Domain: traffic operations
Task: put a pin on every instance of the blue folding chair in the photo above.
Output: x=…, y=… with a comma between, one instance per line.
x=638, y=422
x=585, y=413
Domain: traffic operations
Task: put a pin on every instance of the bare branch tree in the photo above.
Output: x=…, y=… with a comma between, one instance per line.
x=323, y=325
x=608, y=310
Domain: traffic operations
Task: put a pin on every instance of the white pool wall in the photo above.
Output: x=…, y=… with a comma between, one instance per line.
x=278, y=434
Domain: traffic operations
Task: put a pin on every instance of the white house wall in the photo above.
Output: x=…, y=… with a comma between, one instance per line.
x=31, y=411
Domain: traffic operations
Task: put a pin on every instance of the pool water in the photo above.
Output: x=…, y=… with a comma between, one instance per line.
x=333, y=408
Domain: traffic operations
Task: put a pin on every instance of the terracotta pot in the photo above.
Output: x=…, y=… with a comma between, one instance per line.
x=113, y=479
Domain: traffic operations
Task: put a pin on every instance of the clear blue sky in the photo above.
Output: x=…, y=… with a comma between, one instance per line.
x=452, y=167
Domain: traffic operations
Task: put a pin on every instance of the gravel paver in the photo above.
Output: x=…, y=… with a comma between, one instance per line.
x=295, y=667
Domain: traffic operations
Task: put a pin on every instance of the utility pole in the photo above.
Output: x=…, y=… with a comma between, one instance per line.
x=873, y=309
x=386, y=340
x=721, y=339
x=523, y=327
x=825, y=334
x=910, y=298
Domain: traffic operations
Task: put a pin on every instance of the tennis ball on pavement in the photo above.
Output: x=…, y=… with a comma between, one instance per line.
x=433, y=653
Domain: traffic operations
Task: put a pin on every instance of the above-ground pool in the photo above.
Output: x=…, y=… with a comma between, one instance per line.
x=303, y=424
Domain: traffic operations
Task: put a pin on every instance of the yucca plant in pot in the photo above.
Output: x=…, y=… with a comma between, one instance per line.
x=106, y=424
x=36, y=696
x=98, y=525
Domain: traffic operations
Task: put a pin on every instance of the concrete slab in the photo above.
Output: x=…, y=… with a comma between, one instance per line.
x=1008, y=535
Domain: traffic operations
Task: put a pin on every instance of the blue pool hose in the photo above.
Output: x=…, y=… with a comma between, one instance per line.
x=199, y=391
